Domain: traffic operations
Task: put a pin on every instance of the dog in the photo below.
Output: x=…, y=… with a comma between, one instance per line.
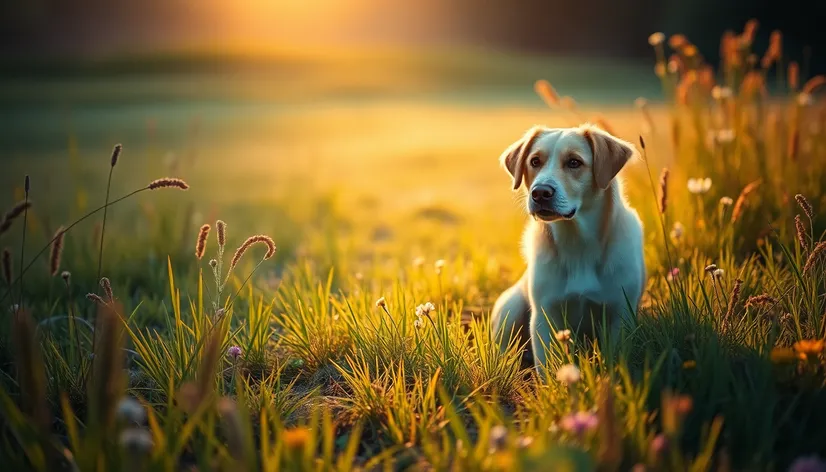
x=583, y=245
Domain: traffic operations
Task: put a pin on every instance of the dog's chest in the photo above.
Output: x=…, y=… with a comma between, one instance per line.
x=582, y=278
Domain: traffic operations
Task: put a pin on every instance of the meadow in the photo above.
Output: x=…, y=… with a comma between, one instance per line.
x=140, y=339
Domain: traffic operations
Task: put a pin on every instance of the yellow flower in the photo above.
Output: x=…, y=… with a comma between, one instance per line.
x=808, y=347
x=690, y=364
x=784, y=355
x=296, y=438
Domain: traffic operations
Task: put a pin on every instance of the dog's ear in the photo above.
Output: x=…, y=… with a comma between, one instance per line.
x=610, y=154
x=513, y=159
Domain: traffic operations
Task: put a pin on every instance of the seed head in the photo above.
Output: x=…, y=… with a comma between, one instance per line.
x=95, y=298
x=664, y=191
x=221, y=228
x=200, y=244
x=425, y=309
x=761, y=301
x=726, y=202
x=12, y=214
x=742, y=200
x=27, y=184
x=116, y=154
x=107, y=288
x=656, y=39
x=711, y=268
x=804, y=205
x=794, y=75
x=213, y=263
x=381, y=303
x=801, y=231
x=563, y=335
x=259, y=238
x=813, y=84
x=814, y=256
x=57, y=251
x=67, y=277
x=735, y=298
x=168, y=182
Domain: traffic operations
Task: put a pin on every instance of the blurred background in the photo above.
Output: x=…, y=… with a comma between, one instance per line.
x=247, y=99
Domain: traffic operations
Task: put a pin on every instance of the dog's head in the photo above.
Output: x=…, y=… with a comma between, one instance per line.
x=564, y=169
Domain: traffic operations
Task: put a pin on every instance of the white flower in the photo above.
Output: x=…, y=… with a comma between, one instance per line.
x=424, y=310
x=700, y=185
x=656, y=39
x=677, y=231
x=804, y=99
x=440, y=264
x=131, y=410
x=718, y=273
x=418, y=262
x=418, y=324
x=381, y=303
x=724, y=136
x=726, y=201
x=498, y=438
x=563, y=336
x=568, y=374
x=720, y=93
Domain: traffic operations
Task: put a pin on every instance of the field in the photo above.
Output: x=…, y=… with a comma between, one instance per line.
x=378, y=180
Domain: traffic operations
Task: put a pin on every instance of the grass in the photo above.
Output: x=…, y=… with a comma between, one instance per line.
x=363, y=341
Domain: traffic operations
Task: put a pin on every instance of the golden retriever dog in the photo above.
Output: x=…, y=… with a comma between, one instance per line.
x=584, y=244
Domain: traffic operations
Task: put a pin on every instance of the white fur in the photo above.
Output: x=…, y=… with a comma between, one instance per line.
x=595, y=260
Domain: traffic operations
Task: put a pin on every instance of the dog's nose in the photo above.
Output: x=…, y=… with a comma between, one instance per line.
x=542, y=193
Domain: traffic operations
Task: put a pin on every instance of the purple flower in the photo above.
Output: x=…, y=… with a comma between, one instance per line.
x=234, y=352
x=579, y=423
x=808, y=464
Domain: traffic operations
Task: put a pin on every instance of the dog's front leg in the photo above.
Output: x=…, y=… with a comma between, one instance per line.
x=545, y=320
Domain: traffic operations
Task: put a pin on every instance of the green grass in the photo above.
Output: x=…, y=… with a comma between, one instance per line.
x=336, y=369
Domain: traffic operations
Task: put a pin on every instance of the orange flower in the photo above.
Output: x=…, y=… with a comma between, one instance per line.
x=808, y=347
x=690, y=364
x=784, y=355
x=296, y=438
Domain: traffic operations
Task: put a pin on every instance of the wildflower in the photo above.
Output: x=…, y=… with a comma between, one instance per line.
x=568, y=374
x=424, y=310
x=699, y=185
x=563, y=335
x=67, y=277
x=677, y=41
x=677, y=231
x=131, y=410
x=524, y=442
x=673, y=66
x=784, y=355
x=723, y=136
x=689, y=364
x=711, y=268
x=720, y=93
x=674, y=410
x=418, y=324
x=726, y=202
x=579, y=423
x=672, y=274
x=296, y=438
x=136, y=440
x=381, y=303
x=418, y=262
x=498, y=438
x=234, y=352
x=718, y=273
x=804, y=99
x=440, y=264
x=808, y=464
x=659, y=444
x=804, y=205
x=656, y=39
x=808, y=347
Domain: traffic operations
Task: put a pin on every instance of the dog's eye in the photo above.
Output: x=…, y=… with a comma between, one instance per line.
x=573, y=163
x=535, y=162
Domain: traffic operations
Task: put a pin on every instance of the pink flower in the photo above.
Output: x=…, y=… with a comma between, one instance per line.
x=808, y=464
x=672, y=274
x=579, y=423
x=234, y=352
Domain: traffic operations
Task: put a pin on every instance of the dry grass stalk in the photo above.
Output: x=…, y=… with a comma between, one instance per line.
x=813, y=257
x=742, y=200
x=259, y=238
x=735, y=298
x=546, y=92
x=167, y=182
x=813, y=84
x=801, y=231
x=610, y=450
x=107, y=383
x=761, y=300
x=7, y=274
x=13, y=213
x=794, y=75
x=95, y=298
x=200, y=244
x=31, y=377
x=793, y=145
x=774, y=51
x=57, y=251
x=664, y=190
